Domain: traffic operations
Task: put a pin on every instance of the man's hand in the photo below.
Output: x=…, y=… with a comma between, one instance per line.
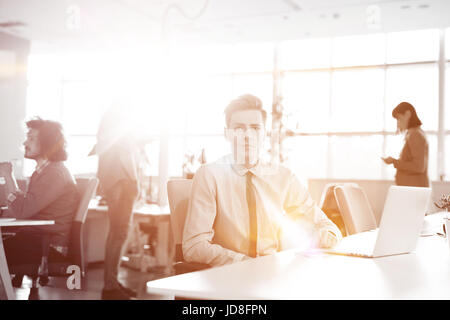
x=13, y=196
x=327, y=239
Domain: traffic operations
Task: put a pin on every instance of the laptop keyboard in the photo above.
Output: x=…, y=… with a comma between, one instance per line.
x=360, y=244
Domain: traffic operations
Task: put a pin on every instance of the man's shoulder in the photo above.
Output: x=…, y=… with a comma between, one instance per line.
x=58, y=169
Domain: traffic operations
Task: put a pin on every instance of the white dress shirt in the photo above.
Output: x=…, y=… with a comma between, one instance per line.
x=216, y=229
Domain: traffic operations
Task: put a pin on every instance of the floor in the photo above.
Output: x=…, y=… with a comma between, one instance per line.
x=92, y=284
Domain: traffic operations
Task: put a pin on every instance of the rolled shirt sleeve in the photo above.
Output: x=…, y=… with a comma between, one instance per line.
x=299, y=205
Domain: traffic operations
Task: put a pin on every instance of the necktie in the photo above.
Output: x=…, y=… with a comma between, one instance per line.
x=251, y=202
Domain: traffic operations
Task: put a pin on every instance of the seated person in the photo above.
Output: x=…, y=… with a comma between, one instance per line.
x=51, y=195
x=241, y=207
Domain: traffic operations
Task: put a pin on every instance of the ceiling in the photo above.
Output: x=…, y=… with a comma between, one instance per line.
x=109, y=24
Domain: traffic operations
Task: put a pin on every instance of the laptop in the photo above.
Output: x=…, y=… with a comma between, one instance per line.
x=400, y=226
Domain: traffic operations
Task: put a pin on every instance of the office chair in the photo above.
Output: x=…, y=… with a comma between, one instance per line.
x=329, y=206
x=52, y=263
x=178, y=193
x=355, y=208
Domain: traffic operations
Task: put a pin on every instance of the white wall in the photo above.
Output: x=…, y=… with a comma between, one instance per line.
x=13, y=88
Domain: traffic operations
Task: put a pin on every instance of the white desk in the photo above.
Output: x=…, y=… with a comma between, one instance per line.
x=6, y=289
x=423, y=274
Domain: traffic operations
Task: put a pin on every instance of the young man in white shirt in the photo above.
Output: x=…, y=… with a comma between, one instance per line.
x=242, y=208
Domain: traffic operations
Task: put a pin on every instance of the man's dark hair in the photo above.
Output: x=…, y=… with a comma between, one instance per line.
x=244, y=102
x=401, y=108
x=51, y=138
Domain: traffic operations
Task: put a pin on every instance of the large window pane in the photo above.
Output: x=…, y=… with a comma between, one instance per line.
x=83, y=106
x=44, y=67
x=306, y=100
x=357, y=100
x=412, y=46
x=206, y=104
x=432, y=158
x=417, y=85
x=305, y=54
x=359, y=50
x=260, y=85
x=206, y=59
x=356, y=157
x=78, y=160
x=215, y=147
x=394, y=145
x=177, y=152
x=44, y=100
x=152, y=153
x=306, y=156
x=253, y=57
x=180, y=147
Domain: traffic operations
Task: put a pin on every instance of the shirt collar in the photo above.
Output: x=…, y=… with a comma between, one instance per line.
x=259, y=170
x=41, y=168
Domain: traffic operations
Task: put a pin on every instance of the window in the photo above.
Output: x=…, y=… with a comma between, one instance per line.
x=359, y=50
x=357, y=100
x=253, y=57
x=206, y=103
x=337, y=98
x=78, y=148
x=260, y=85
x=413, y=46
x=307, y=156
x=417, y=85
x=305, y=54
x=83, y=106
x=306, y=101
x=356, y=157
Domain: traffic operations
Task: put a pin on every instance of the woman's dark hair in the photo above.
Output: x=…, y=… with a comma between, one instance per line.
x=51, y=138
x=402, y=107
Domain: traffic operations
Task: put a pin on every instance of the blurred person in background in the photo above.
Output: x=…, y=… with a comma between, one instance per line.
x=412, y=165
x=117, y=151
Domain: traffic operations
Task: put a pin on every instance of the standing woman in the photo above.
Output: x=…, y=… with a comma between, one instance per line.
x=412, y=166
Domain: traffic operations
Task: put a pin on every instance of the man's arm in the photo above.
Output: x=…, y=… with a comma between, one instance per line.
x=299, y=205
x=198, y=228
x=40, y=194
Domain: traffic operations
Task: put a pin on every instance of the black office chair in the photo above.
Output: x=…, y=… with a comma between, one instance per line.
x=178, y=194
x=53, y=263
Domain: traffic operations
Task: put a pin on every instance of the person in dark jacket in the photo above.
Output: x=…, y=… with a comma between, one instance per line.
x=412, y=165
x=51, y=195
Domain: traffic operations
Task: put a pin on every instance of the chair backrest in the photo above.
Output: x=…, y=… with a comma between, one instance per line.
x=86, y=189
x=178, y=192
x=355, y=208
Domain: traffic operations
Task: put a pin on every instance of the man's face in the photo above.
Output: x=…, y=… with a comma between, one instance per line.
x=246, y=134
x=31, y=144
